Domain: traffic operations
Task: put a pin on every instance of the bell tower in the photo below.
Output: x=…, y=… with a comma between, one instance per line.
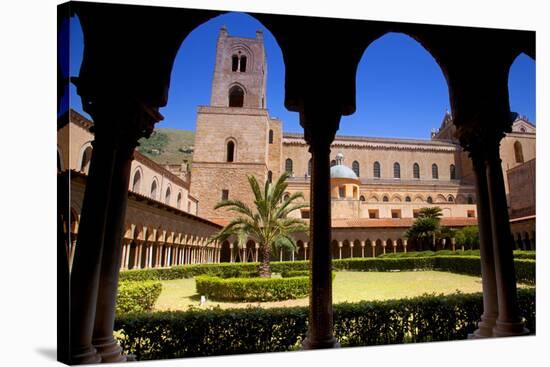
x=235, y=137
x=240, y=72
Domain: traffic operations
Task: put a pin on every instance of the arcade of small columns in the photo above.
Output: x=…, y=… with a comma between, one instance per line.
x=168, y=250
x=478, y=90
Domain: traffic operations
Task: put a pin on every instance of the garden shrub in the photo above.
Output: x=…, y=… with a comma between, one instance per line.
x=178, y=334
x=295, y=273
x=523, y=254
x=252, y=289
x=137, y=296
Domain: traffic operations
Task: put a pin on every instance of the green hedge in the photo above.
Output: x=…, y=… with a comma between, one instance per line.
x=295, y=273
x=525, y=268
x=192, y=333
x=137, y=296
x=252, y=289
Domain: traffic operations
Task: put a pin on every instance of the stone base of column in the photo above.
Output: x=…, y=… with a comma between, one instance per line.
x=484, y=328
x=86, y=355
x=503, y=328
x=309, y=343
x=109, y=350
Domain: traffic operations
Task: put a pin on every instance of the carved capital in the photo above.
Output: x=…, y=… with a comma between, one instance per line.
x=320, y=124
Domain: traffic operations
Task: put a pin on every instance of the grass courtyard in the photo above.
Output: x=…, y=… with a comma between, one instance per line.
x=347, y=287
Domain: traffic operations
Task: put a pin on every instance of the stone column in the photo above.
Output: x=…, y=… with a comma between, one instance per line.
x=281, y=254
x=351, y=250
x=453, y=242
x=123, y=257
x=340, y=245
x=384, y=244
x=490, y=302
x=509, y=321
x=150, y=264
x=305, y=250
x=373, y=245
x=231, y=258
x=362, y=249
x=320, y=128
x=128, y=122
x=405, y=245
x=257, y=250
x=394, y=246
x=140, y=250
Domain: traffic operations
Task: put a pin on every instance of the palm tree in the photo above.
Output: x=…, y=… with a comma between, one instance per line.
x=269, y=224
x=426, y=225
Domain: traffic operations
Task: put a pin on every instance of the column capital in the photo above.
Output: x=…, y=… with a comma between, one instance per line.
x=320, y=125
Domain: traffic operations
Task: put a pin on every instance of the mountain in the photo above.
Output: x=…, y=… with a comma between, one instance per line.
x=168, y=146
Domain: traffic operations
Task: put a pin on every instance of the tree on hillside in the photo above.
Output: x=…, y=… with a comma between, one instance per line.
x=268, y=223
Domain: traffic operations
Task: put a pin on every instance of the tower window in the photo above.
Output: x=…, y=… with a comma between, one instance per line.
x=385, y=199
x=435, y=172
x=225, y=194
x=167, y=196
x=154, y=189
x=288, y=166
x=270, y=136
x=137, y=182
x=518, y=152
x=376, y=170
x=342, y=192
x=269, y=176
x=243, y=64
x=234, y=63
x=452, y=170
x=230, y=151
x=407, y=198
x=416, y=170
x=429, y=200
x=333, y=162
x=355, y=167
x=236, y=96
x=178, y=201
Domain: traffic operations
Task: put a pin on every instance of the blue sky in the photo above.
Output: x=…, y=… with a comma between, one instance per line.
x=401, y=92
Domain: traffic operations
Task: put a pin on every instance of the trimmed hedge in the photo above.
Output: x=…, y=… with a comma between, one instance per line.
x=470, y=265
x=252, y=289
x=295, y=273
x=137, y=296
x=192, y=333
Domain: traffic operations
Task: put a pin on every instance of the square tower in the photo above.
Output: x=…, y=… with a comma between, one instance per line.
x=235, y=137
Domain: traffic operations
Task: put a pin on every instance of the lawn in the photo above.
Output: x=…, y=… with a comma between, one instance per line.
x=347, y=287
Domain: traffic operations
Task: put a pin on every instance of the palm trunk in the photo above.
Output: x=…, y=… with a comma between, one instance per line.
x=265, y=270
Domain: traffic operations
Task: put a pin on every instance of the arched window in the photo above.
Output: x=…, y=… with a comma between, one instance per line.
x=154, y=189
x=236, y=96
x=361, y=198
x=243, y=64
x=167, y=196
x=470, y=200
x=287, y=195
x=429, y=200
x=355, y=168
x=230, y=151
x=450, y=199
x=396, y=170
x=234, y=63
x=270, y=136
x=309, y=168
x=407, y=198
x=385, y=198
x=178, y=201
x=376, y=170
x=269, y=176
x=518, y=152
x=288, y=166
x=435, y=171
x=86, y=157
x=452, y=170
x=136, y=183
x=416, y=170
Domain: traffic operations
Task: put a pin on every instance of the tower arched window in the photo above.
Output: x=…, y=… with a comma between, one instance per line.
x=376, y=170
x=355, y=168
x=230, y=151
x=167, y=196
x=309, y=168
x=385, y=199
x=154, y=187
x=452, y=171
x=407, y=198
x=234, y=63
x=236, y=96
x=396, y=170
x=470, y=200
x=518, y=151
x=450, y=199
x=178, y=201
x=435, y=171
x=416, y=170
x=243, y=64
x=86, y=158
x=270, y=136
x=429, y=200
x=288, y=166
x=136, y=183
x=333, y=162
x=269, y=176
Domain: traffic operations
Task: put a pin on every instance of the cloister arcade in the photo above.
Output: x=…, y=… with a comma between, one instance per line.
x=124, y=103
